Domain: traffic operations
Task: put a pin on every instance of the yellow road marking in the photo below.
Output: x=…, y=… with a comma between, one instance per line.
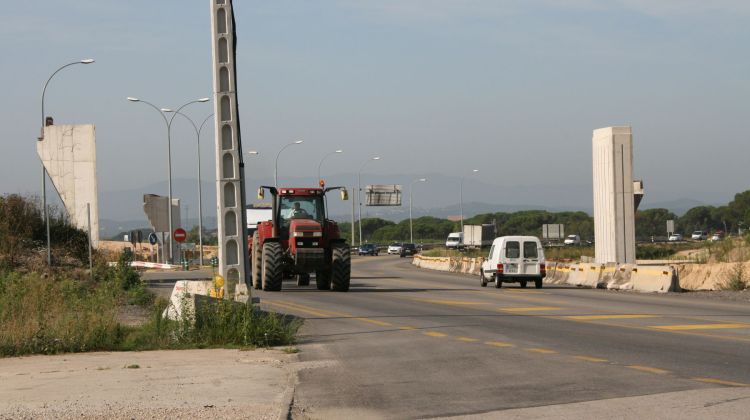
x=720, y=382
x=624, y=316
x=327, y=314
x=498, y=344
x=540, y=350
x=435, y=334
x=316, y=313
x=467, y=339
x=530, y=309
x=406, y=328
x=700, y=327
x=591, y=359
x=309, y=308
x=526, y=292
x=451, y=302
x=375, y=321
x=648, y=369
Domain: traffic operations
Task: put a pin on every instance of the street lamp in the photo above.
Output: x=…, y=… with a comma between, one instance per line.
x=359, y=194
x=324, y=158
x=162, y=111
x=45, y=214
x=461, y=192
x=276, y=167
x=411, y=189
x=200, y=187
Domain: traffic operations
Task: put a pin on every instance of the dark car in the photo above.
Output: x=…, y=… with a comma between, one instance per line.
x=408, y=249
x=368, y=249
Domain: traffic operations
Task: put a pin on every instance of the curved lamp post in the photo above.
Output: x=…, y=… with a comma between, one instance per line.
x=276, y=166
x=359, y=194
x=45, y=214
x=411, y=189
x=198, y=130
x=168, y=122
x=324, y=158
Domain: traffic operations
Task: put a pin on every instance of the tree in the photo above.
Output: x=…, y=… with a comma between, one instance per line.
x=652, y=222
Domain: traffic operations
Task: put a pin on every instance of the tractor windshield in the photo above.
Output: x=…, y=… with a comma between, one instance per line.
x=301, y=207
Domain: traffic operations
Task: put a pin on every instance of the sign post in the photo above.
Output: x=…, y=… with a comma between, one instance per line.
x=180, y=235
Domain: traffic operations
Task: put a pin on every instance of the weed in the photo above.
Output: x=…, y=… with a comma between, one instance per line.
x=132, y=367
x=737, y=279
x=290, y=350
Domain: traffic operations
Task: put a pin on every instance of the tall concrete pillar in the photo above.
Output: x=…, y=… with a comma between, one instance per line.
x=68, y=152
x=614, y=213
x=230, y=177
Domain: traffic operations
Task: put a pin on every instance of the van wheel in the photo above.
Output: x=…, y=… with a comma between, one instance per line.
x=482, y=280
x=523, y=284
x=498, y=282
x=538, y=283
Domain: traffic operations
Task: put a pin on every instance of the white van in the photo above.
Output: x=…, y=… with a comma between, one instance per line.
x=514, y=259
x=455, y=240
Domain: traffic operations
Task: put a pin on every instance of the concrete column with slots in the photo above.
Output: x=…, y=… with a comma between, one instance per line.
x=614, y=213
x=230, y=185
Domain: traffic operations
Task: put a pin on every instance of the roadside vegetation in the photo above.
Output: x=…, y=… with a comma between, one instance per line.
x=70, y=309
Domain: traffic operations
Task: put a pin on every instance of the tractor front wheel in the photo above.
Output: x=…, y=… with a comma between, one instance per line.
x=256, y=262
x=272, y=272
x=341, y=268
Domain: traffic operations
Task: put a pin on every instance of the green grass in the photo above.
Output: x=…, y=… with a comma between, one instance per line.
x=59, y=314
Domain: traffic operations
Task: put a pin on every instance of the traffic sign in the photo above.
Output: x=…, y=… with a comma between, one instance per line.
x=152, y=239
x=180, y=235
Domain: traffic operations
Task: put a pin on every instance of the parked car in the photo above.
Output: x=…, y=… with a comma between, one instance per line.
x=717, y=236
x=698, y=235
x=572, y=240
x=368, y=249
x=514, y=259
x=394, y=248
x=408, y=249
x=675, y=237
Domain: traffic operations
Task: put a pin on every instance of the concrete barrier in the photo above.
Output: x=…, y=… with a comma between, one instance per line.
x=452, y=264
x=653, y=278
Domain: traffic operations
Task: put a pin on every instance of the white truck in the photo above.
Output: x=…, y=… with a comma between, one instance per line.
x=255, y=215
x=514, y=259
x=478, y=236
x=455, y=240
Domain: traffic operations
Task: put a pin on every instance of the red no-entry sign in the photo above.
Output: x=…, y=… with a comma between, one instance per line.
x=180, y=235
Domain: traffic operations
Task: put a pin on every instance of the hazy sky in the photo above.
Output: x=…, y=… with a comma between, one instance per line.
x=512, y=87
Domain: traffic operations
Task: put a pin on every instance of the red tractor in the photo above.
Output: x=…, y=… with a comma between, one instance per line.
x=298, y=241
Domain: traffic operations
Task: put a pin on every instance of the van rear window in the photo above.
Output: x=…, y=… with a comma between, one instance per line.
x=529, y=250
x=512, y=249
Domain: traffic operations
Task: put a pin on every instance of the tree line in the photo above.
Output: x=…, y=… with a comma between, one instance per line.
x=652, y=222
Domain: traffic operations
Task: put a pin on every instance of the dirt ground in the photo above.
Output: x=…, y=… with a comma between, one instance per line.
x=214, y=383
x=145, y=250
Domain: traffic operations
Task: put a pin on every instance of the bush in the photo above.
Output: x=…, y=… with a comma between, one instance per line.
x=45, y=316
x=737, y=279
x=217, y=323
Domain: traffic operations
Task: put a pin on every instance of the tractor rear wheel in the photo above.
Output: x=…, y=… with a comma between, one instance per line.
x=256, y=262
x=341, y=268
x=323, y=279
x=272, y=272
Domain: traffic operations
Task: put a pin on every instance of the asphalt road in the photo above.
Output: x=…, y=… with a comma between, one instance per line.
x=407, y=343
